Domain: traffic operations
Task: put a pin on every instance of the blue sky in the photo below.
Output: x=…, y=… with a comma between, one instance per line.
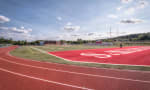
x=72, y=19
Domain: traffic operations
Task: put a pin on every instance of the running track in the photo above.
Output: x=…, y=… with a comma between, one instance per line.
x=22, y=74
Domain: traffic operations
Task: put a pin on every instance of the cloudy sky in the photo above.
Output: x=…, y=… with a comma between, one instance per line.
x=72, y=19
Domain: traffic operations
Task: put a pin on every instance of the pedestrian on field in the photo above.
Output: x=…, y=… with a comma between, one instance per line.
x=121, y=45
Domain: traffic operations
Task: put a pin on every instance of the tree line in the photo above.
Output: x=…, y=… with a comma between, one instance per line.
x=135, y=37
x=132, y=38
x=19, y=42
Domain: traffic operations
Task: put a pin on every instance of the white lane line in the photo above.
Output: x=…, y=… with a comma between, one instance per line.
x=100, y=76
x=44, y=80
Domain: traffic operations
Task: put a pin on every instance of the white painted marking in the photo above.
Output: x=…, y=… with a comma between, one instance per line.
x=127, y=51
x=39, y=50
x=44, y=80
x=115, y=52
x=96, y=55
x=101, y=76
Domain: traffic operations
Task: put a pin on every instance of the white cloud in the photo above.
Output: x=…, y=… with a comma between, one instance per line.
x=119, y=8
x=59, y=18
x=112, y=16
x=16, y=30
x=4, y=19
x=70, y=27
x=20, y=30
x=131, y=21
x=135, y=7
x=75, y=35
x=142, y=4
x=90, y=34
x=69, y=23
x=126, y=1
x=16, y=33
x=130, y=11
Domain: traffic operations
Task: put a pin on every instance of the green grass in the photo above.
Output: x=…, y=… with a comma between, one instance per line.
x=29, y=53
x=69, y=47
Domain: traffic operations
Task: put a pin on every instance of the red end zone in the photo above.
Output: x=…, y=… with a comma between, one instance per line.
x=137, y=55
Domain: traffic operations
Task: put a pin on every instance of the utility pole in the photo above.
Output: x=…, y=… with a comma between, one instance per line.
x=117, y=32
x=110, y=32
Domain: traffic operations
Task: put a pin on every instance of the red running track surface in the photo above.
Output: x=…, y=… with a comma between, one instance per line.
x=23, y=74
x=137, y=55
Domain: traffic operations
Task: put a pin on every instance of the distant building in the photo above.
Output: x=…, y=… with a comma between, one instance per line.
x=41, y=43
x=51, y=42
x=101, y=43
x=98, y=42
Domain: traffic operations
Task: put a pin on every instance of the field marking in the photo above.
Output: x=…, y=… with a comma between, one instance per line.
x=101, y=76
x=127, y=51
x=44, y=80
x=111, y=53
x=96, y=55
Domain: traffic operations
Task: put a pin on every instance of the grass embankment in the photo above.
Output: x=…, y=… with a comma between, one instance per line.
x=30, y=53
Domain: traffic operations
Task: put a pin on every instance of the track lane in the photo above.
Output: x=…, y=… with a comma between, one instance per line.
x=25, y=82
x=71, y=79
x=70, y=72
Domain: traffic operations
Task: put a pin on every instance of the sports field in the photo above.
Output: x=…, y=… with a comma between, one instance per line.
x=135, y=55
x=102, y=56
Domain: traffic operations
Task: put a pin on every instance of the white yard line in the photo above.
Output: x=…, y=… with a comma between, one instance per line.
x=44, y=80
x=100, y=76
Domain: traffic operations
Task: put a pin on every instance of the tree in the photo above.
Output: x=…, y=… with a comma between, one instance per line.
x=79, y=41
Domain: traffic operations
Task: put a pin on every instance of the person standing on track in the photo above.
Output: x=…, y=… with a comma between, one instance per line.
x=121, y=45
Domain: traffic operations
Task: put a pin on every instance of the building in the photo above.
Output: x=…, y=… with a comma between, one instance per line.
x=51, y=42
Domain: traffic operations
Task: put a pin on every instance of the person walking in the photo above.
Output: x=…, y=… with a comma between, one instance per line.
x=121, y=45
